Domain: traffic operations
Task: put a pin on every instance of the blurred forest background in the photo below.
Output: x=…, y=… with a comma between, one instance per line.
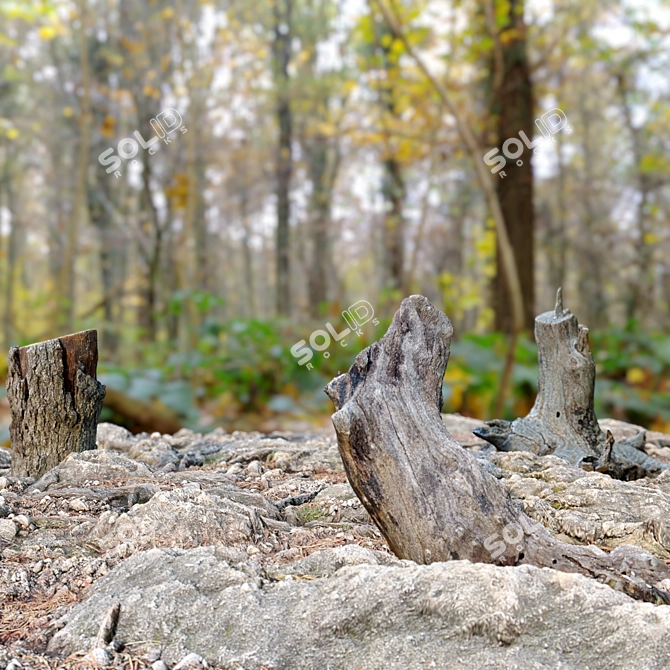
x=333, y=151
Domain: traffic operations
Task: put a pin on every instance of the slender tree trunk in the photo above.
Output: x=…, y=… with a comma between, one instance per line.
x=559, y=240
x=513, y=107
x=102, y=220
x=151, y=252
x=190, y=322
x=319, y=218
x=250, y=299
x=12, y=243
x=281, y=47
x=393, y=182
x=561, y=230
x=393, y=189
x=639, y=295
x=79, y=214
x=590, y=261
x=172, y=278
x=410, y=278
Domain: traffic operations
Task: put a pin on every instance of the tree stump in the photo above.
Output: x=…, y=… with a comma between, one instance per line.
x=563, y=421
x=431, y=499
x=55, y=401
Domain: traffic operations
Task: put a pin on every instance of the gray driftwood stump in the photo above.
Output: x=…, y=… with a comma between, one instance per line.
x=55, y=401
x=432, y=499
x=562, y=421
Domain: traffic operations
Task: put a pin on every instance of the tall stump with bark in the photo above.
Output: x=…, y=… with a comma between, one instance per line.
x=55, y=401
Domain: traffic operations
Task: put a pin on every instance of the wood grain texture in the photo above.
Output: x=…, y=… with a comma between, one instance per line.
x=563, y=421
x=431, y=499
x=55, y=401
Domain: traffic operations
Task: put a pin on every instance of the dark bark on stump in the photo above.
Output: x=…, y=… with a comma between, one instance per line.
x=55, y=401
x=562, y=421
x=433, y=500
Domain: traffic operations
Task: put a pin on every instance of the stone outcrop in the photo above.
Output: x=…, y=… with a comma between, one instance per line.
x=263, y=557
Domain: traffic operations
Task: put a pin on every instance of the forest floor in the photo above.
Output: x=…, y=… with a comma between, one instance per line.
x=264, y=512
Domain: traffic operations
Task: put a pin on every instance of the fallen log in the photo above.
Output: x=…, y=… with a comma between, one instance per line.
x=139, y=416
x=563, y=421
x=55, y=401
x=431, y=499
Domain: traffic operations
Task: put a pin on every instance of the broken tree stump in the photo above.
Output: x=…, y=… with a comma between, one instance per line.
x=55, y=401
x=431, y=499
x=563, y=421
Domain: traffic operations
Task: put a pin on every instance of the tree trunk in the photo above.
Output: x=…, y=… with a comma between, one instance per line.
x=394, y=192
x=249, y=291
x=55, y=401
x=281, y=47
x=151, y=250
x=562, y=421
x=513, y=107
x=79, y=214
x=322, y=173
x=591, y=262
x=432, y=500
x=639, y=297
x=12, y=255
x=393, y=183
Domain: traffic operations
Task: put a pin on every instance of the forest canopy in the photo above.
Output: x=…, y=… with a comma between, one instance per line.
x=210, y=183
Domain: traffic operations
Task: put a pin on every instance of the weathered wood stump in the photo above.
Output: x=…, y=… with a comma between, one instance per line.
x=563, y=421
x=431, y=499
x=55, y=401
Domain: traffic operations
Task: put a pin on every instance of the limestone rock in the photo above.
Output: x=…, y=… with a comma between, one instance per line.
x=92, y=465
x=444, y=615
x=184, y=517
x=590, y=507
x=111, y=436
x=5, y=459
x=8, y=530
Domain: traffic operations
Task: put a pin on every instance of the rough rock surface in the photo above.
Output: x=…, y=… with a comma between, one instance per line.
x=446, y=615
x=253, y=552
x=590, y=507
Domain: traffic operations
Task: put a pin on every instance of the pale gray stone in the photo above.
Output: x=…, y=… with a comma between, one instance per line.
x=446, y=615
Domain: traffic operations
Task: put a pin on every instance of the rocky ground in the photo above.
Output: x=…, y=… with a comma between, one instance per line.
x=251, y=551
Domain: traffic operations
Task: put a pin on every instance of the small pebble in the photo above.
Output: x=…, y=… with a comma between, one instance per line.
x=101, y=657
x=254, y=468
x=191, y=662
x=22, y=520
x=14, y=664
x=291, y=516
x=156, y=436
x=4, y=483
x=152, y=654
x=234, y=469
x=251, y=550
x=159, y=665
x=37, y=568
x=78, y=505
